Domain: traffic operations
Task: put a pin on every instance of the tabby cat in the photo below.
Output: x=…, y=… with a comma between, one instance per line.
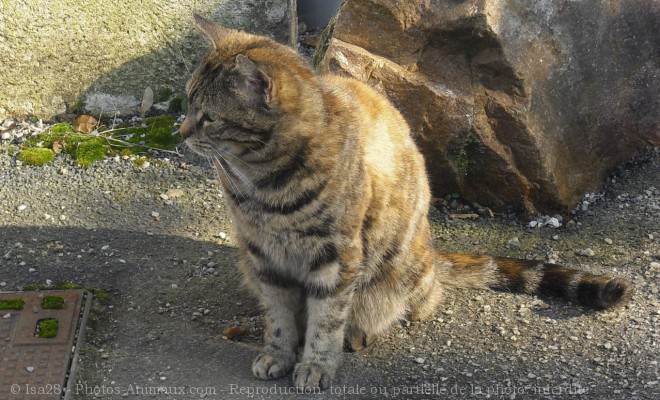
x=329, y=197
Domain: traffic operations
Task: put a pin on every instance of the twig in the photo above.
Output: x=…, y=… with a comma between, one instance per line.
x=129, y=144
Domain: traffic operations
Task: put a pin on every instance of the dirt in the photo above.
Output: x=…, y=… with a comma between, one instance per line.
x=169, y=267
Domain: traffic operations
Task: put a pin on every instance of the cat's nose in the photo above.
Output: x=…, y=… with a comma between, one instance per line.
x=186, y=128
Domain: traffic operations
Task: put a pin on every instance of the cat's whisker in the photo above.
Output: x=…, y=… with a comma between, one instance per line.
x=217, y=149
x=233, y=185
x=236, y=171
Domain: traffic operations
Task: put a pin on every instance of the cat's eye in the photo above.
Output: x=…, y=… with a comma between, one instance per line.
x=206, y=120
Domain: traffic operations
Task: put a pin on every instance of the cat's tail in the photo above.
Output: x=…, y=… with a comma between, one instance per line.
x=532, y=277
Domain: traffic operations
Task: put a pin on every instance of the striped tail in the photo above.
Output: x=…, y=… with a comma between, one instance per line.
x=533, y=277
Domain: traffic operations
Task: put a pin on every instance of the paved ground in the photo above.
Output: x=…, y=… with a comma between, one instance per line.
x=174, y=289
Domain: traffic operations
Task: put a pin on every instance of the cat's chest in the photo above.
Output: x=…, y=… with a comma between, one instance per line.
x=287, y=240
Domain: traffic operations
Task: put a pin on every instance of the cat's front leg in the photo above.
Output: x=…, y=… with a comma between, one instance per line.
x=326, y=321
x=282, y=306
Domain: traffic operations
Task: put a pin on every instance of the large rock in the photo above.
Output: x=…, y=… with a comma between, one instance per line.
x=519, y=105
x=104, y=53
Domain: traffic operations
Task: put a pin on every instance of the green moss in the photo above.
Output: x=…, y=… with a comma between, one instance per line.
x=36, y=156
x=164, y=93
x=176, y=105
x=460, y=162
x=77, y=107
x=88, y=151
x=459, y=154
x=66, y=285
x=100, y=294
x=11, y=304
x=47, y=328
x=159, y=132
x=61, y=128
x=140, y=161
x=52, y=303
x=324, y=42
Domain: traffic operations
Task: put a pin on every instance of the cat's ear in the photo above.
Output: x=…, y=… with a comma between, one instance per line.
x=213, y=32
x=257, y=80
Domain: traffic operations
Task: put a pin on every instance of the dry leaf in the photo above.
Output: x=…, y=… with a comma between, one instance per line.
x=57, y=146
x=85, y=124
x=234, y=331
x=147, y=101
x=54, y=246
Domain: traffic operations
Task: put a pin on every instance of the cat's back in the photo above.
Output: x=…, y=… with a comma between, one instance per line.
x=382, y=130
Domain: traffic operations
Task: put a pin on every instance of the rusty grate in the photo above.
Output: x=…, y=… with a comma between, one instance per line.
x=32, y=367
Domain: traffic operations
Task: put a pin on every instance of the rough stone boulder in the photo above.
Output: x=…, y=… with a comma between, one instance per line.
x=518, y=105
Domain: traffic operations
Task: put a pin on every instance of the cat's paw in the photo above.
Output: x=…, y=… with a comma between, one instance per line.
x=357, y=340
x=272, y=366
x=312, y=376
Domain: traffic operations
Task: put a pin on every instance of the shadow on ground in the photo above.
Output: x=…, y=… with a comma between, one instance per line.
x=171, y=298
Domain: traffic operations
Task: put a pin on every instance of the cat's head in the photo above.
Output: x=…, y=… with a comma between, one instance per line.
x=243, y=93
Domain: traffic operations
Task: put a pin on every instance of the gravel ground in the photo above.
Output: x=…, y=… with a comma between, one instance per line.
x=157, y=239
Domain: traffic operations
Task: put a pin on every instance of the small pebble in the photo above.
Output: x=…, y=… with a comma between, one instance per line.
x=514, y=242
x=553, y=223
x=22, y=207
x=419, y=360
x=587, y=252
x=106, y=247
x=608, y=241
x=30, y=369
x=6, y=316
x=174, y=193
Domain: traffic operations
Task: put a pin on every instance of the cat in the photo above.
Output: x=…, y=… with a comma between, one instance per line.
x=329, y=198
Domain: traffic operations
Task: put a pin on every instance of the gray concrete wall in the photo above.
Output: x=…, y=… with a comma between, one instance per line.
x=54, y=53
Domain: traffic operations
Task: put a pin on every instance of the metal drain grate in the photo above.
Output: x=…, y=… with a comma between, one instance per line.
x=32, y=367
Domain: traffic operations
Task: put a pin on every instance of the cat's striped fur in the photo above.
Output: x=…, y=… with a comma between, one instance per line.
x=329, y=198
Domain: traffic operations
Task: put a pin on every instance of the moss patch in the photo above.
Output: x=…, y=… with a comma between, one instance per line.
x=47, y=328
x=66, y=285
x=52, y=303
x=11, y=304
x=156, y=133
x=36, y=156
x=324, y=43
x=175, y=106
x=164, y=94
x=458, y=154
